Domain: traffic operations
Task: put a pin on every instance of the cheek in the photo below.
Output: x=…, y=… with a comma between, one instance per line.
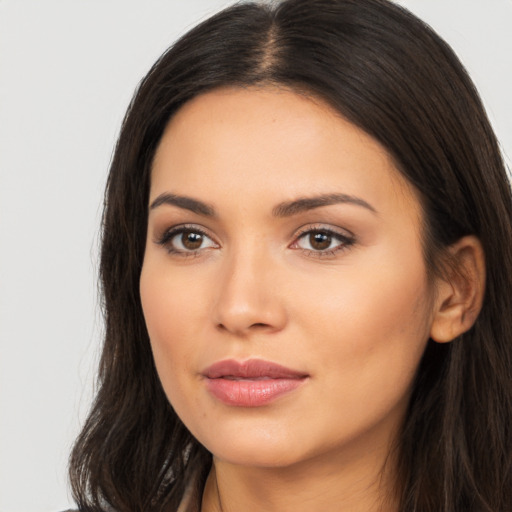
x=171, y=319
x=369, y=328
x=169, y=316
x=384, y=291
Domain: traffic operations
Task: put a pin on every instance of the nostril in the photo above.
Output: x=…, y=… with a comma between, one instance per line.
x=256, y=325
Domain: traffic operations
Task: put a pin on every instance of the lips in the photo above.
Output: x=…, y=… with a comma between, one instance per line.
x=251, y=383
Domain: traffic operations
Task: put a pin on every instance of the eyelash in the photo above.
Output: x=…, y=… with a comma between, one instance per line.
x=345, y=241
x=165, y=240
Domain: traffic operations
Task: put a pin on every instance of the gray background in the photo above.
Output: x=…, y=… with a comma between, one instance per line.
x=67, y=72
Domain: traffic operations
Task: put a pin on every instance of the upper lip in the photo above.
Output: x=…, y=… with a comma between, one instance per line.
x=251, y=369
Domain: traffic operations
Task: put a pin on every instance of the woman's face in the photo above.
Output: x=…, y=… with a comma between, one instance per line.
x=283, y=285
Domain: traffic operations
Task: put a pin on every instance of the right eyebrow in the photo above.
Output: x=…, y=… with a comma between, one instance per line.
x=187, y=203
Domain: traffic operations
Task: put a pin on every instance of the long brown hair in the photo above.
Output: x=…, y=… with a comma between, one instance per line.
x=391, y=75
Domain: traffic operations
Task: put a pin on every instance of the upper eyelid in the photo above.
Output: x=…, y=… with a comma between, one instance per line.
x=346, y=237
x=178, y=228
x=165, y=239
x=346, y=241
x=168, y=232
x=329, y=228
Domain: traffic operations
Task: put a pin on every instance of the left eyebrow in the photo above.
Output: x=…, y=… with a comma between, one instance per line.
x=289, y=208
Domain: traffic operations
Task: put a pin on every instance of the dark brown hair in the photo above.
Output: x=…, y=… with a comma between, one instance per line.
x=391, y=75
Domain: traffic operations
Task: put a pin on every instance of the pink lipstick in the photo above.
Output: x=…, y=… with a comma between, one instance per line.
x=251, y=383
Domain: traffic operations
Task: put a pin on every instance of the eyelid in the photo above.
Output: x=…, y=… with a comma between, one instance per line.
x=165, y=237
x=328, y=228
x=346, y=238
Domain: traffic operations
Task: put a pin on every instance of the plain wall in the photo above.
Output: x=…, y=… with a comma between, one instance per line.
x=67, y=72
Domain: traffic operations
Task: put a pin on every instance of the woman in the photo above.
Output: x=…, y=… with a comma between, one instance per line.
x=306, y=265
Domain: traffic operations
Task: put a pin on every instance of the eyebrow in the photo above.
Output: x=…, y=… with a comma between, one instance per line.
x=285, y=209
x=187, y=203
x=289, y=208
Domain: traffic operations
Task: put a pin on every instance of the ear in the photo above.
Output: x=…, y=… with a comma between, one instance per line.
x=459, y=294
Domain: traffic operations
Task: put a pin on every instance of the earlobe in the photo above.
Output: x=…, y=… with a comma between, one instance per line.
x=460, y=293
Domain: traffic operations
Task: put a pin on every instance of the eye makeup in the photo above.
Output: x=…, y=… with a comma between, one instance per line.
x=316, y=240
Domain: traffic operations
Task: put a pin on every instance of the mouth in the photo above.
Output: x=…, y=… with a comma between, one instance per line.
x=251, y=383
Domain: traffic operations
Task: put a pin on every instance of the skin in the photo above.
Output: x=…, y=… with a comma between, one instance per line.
x=355, y=317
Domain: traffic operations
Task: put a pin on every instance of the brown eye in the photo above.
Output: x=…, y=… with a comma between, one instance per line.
x=323, y=241
x=191, y=240
x=320, y=241
x=185, y=240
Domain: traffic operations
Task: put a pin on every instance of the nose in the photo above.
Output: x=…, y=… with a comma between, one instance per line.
x=248, y=298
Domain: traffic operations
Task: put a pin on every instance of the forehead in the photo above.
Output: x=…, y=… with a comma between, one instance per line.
x=263, y=145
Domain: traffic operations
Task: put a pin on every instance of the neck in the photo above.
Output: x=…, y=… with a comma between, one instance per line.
x=309, y=486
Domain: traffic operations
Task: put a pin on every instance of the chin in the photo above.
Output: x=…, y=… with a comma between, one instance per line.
x=260, y=456
x=256, y=447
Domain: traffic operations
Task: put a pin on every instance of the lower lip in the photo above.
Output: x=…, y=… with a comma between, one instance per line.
x=251, y=393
